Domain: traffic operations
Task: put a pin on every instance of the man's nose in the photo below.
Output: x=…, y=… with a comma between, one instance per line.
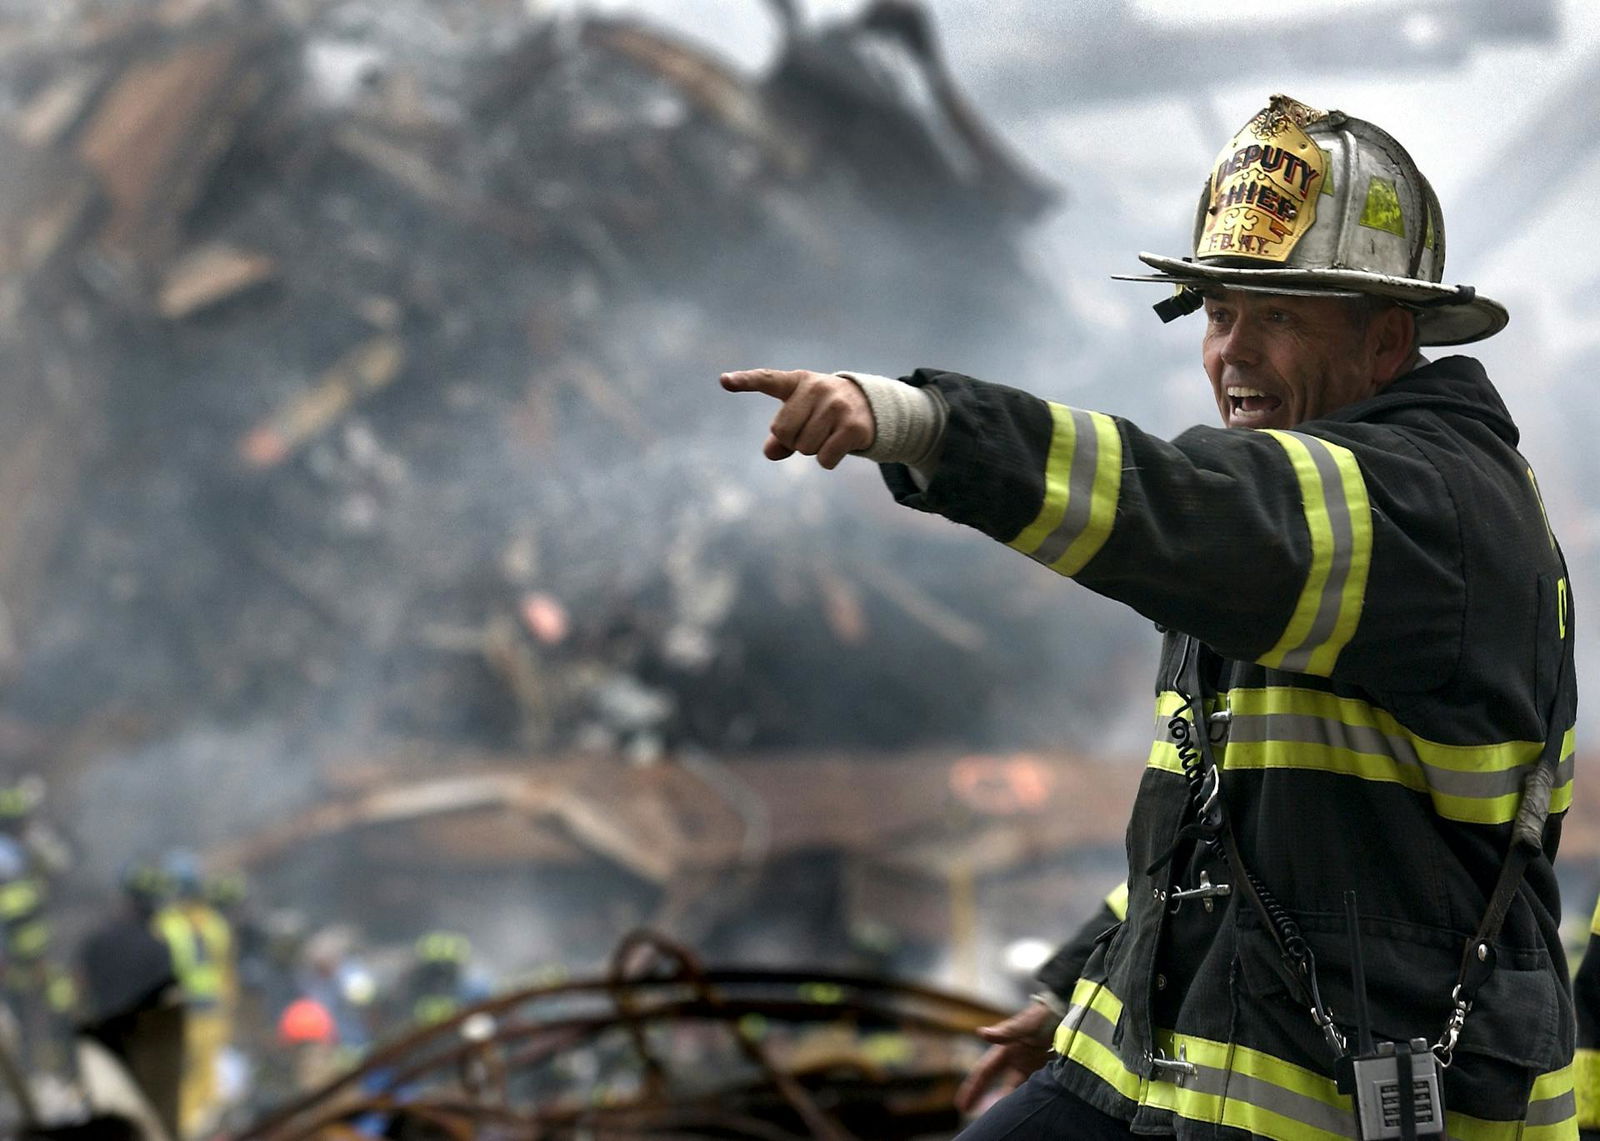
x=1242, y=343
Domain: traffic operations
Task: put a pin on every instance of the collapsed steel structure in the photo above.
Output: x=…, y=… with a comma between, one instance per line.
x=663, y=1047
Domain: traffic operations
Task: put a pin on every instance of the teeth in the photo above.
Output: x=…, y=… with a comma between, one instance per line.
x=1239, y=391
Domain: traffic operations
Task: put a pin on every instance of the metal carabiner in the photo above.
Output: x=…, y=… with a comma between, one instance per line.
x=1445, y=1048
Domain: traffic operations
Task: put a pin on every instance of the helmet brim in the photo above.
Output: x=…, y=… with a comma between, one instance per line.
x=1445, y=314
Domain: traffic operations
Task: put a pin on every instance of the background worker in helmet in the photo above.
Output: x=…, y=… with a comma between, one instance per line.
x=439, y=982
x=203, y=957
x=1366, y=651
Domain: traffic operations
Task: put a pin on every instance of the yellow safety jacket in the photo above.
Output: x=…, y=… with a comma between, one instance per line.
x=1386, y=613
x=201, y=943
x=27, y=929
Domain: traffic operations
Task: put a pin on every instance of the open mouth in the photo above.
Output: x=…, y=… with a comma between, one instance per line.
x=1248, y=406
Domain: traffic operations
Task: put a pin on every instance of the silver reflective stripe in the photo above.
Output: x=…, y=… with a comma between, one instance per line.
x=1553, y=1110
x=1082, y=1019
x=1298, y=660
x=1240, y=1087
x=1305, y=729
x=1080, y=490
x=1231, y=1085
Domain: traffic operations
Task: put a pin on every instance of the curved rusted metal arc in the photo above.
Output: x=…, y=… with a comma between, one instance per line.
x=977, y=1013
x=575, y=1031
x=969, y=1012
x=435, y=1115
x=400, y=1048
x=821, y=1125
x=578, y=1030
x=621, y=997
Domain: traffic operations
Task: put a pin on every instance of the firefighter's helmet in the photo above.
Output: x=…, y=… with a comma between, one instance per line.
x=146, y=883
x=1313, y=202
x=443, y=947
x=182, y=868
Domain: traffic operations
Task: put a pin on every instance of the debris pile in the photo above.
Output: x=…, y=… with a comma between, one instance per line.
x=361, y=368
x=663, y=1047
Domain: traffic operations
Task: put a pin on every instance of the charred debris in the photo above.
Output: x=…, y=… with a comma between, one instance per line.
x=662, y=1047
x=361, y=363
x=361, y=401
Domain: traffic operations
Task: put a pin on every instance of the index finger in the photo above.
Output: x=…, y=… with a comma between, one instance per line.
x=772, y=381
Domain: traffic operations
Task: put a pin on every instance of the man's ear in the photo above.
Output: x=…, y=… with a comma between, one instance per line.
x=1392, y=336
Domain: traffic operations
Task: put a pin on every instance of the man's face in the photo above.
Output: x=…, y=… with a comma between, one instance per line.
x=1277, y=360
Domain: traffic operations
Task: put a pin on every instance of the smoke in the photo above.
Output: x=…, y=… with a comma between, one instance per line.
x=459, y=473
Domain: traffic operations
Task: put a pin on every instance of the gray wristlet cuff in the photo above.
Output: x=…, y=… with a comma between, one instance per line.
x=1053, y=1001
x=909, y=422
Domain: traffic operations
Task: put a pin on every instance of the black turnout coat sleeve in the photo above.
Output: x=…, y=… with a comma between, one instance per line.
x=1262, y=544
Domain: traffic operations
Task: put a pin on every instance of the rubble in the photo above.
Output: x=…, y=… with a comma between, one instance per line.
x=663, y=1046
x=355, y=299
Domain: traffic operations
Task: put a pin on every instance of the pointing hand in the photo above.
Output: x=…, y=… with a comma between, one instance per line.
x=822, y=415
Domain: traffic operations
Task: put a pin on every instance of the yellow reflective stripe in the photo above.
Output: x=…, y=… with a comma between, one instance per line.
x=1594, y=920
x=1163, y=753
x=1082, y=480
x=1552, y=1107
x=1586, y=1087
x=1117, y=900
x=19, y=897
x=1104, y=490
x=1057, y=468
x=1339, y=519
x=29, y=940
x=175, y=933
x=188, y=939
x=1247, y=1089
x=1235, y=1086
x=1084, y=1036
x=433, y=1008
x=1291, y=728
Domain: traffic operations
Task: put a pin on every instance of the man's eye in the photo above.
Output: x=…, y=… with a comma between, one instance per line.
x=1277, y=316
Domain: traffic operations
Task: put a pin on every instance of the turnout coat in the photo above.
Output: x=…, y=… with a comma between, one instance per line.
x=1386, y=615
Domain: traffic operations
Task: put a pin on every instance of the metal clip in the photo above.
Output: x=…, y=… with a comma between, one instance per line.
x=1217, y=725
x=1206, y=892
x=1444, y=1049
x=1180, y=1067
x=1209, y=811
x=1330, y=1034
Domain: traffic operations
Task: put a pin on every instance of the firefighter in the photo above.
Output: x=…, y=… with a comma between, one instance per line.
x=133, y=1006
x=202, y=949
x=1366, y=660
x=440, y=983
x=39, y=991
